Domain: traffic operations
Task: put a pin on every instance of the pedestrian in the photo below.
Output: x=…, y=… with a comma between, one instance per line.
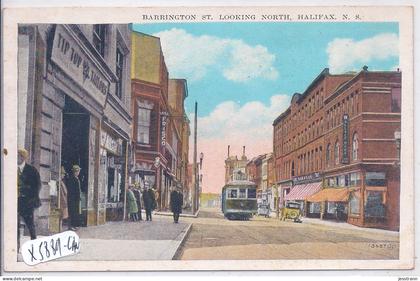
x=73, y=198
x=63, y=196
x=176, y=204
x=132, y=204
x=137, y=194
x=29, y=185
x=149, y=202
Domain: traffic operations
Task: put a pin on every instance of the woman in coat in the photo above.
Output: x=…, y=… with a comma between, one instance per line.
x=132, y=205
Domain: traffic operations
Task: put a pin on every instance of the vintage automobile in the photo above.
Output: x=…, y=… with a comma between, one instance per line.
x=291, y=211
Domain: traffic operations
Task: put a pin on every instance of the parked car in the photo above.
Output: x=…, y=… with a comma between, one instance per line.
x=291, y=211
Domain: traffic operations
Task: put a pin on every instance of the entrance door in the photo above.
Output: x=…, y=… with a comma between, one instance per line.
x=75, y=146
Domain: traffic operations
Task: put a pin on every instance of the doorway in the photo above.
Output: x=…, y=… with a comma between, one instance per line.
x=75, y=147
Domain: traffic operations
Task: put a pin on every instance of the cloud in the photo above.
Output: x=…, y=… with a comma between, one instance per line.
x=236, y=125
x=192, y=57
x=345, y=54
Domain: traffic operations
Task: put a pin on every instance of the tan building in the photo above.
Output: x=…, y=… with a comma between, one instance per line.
x=233, y=163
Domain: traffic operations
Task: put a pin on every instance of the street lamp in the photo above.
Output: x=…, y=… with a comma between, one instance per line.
x=397, y=137
x=201, y=159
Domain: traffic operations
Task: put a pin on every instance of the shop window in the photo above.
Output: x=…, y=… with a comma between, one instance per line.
x=354, y=203
x=355, y=147
x=99, y=33
x=119, y=72
x=232, y=193
x=375, y=204
x=375, y=179
x=331, y=207
x=143, y=125
x=337, y=153
x=315, y=208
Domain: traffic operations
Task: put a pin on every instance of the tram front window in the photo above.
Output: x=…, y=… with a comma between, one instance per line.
x=232, y=193
x=242, y=193
x=252, y=193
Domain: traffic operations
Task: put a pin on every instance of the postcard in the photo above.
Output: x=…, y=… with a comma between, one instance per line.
x=207, y=138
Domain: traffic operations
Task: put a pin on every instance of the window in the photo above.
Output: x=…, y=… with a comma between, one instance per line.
x=242, y=193
x=355, y=147
x=293, y=168
x=99, y=31
x=331, y=207
x=375, y=204
x=375, y=179
x=396, y=100
x=327, y=155
x=314, y=208
x=232, y=193
x=143, y=125
x=354, y=203
x=252, y=193
x=337, y=153
x=119, y=72
x=355, y=179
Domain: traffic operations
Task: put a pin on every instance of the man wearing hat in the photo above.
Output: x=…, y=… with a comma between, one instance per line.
x=29, y=185
x=176, y=203
x=73, y=197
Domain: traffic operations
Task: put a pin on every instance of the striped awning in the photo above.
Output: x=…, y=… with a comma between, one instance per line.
x=301, y=191
x=330, y=195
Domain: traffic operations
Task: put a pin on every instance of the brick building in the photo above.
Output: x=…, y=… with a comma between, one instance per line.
x=334, y=148
x=149, y=84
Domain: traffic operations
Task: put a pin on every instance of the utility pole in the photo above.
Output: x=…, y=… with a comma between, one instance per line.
x=195, y=172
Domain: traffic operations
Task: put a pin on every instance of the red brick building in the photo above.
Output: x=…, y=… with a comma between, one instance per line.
x=335, y=150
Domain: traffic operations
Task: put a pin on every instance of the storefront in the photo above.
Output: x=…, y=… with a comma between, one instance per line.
x=74, y=83
x=112, y=173
x=303, y=187
x=366, y=202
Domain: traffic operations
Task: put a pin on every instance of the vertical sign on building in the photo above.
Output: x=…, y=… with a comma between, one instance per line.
x=345, y=158
x=164, y=118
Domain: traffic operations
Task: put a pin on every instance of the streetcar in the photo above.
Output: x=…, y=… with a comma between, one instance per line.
x=239, y=198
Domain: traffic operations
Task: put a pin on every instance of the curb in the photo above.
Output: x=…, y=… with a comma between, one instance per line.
x=181, y=215
x=181, y=238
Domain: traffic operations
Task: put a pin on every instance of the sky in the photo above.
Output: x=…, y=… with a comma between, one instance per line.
x=242, y=75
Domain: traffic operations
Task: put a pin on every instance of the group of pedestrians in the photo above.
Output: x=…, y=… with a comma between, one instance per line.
x=134, y=203
x=29, y=186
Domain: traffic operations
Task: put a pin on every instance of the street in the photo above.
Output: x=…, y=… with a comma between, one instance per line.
x=213, y=237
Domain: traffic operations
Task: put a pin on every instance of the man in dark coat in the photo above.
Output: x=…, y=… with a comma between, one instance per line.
x=29, y=185
x=176, y=204
x=73, y=197
x=149, y=202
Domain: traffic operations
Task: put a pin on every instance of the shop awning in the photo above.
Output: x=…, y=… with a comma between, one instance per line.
x=301, y=191
x=330, y=194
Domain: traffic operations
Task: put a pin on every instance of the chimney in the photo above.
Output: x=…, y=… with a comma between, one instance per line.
x=228, y=151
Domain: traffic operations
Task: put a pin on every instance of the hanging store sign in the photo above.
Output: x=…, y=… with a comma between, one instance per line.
x=164, y=122
x=345, y=157
x=110, y=143
x=306, y=178
x=76, y=63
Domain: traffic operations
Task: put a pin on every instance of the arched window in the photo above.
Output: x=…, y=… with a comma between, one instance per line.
x=355, y=147
x=337, y=153
x=327, y=155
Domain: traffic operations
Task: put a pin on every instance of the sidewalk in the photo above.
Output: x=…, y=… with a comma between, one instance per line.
x=129, y=241
x=184, y=214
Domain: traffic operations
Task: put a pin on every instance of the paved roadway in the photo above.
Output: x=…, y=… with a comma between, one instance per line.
x=213, y=237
